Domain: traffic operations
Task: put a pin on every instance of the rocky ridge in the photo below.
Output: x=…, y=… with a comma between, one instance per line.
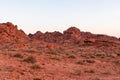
x=72, y=36
x=71, y=55
x=10, y=33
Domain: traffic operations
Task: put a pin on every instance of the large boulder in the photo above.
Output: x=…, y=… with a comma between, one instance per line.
x=72, y=33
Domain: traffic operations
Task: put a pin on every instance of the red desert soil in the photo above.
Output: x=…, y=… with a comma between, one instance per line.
x=73, y=55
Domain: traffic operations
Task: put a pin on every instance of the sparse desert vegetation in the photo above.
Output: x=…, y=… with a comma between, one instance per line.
x=71, y=55
x=18, y=55
x=30, y=59
x=35, y=67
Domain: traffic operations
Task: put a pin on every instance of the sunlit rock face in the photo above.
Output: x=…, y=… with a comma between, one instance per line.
x=10, y=33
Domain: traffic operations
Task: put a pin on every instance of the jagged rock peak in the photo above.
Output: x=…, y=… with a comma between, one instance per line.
x=10, y=33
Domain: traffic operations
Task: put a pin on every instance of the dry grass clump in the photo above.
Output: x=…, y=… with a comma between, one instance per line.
x=89, y=61
x=83, y=62
x=106, y=73
x=90, y=71
x=52, y=52
x=55, y=58
x=35, y=66
x=96, y=78
x=72, y=56
x=37, y=79
x=18, y=55
x=77, y=72
x=30, y=59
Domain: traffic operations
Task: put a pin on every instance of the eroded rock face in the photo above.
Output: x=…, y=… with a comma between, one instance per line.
x=10, y=33
x=52, y=37
x=72, y=33
x=105, y=37
x=70, y=36
x=97, y=37
x=90, y=40
x=37, y=35
x=73, y=36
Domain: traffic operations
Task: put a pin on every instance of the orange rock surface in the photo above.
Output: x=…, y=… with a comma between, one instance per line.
x=71, y=55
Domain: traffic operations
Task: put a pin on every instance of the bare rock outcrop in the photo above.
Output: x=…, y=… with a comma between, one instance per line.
x=72, y=33
x=10, y=33
x=70, y=36
x=73, y=36
x=52, y=37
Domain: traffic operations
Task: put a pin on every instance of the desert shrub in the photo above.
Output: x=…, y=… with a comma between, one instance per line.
x=96, y=78
x=37, y=79
x=118, y=54
x=18, y=55
x=77, y=72
x=80, y=62
x=52, y=52
x=90, y=61
x=30, y=59
x=90, y=71
x=116, y=62
x=22, y=73
x=55, y=58
x=83, y=62
x=72, y=56
x=31, y=51
x=92, y=56
x=106, y=73
x=9, y=68
x=35, y=66
x=101, y=55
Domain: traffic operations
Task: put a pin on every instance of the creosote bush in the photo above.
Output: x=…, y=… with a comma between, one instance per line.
x=35, y=66
x=106, y=73
x=86, y=61
x=90, y=61
x=80, y=62
x=55, y=58
x=30, y=59
x=37, y=79
x=52, y=52
x=90, y=71
x=72, y=56
x=77, y=72
x=18, y=55
x=31, y=51
x=96, y=78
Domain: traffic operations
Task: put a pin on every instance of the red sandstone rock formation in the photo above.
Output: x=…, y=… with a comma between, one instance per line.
x=71, y=36
x=72, y=33
x=10, y=33
x=52, y=37
x=42, y=59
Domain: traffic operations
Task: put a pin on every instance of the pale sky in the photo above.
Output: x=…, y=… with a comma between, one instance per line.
x=96, y=16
